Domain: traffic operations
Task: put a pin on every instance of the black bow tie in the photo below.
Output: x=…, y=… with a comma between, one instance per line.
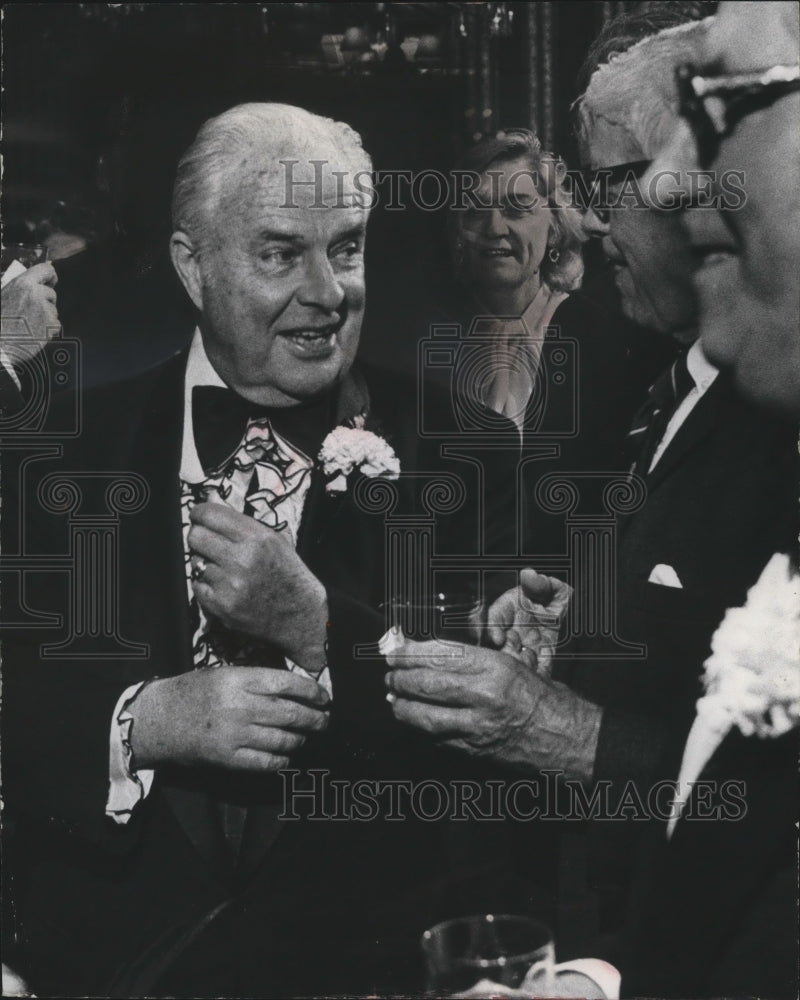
x=220, y=417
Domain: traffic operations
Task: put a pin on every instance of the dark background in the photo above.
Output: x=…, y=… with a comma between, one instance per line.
x=100, y=100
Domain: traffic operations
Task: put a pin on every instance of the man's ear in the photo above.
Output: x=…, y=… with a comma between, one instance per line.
x=185, y=262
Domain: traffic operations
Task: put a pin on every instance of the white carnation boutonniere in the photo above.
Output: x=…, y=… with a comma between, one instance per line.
x=752, y=678
x=348, y=450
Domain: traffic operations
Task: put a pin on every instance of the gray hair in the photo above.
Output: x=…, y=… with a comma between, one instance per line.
x=224, y=139
x=635, y=90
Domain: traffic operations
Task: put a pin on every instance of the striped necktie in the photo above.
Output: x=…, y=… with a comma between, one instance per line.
x=650, y=423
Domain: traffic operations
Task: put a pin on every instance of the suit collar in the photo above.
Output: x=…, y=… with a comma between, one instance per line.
x=700, y=422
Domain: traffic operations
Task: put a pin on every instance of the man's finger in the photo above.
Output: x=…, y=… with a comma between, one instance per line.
x=536, y=587
x=457, y=657
x=265, y=681
x=251, y=759
x=549, y=591
x=211, y=576
x=223, y=520
x=207, y=593
x=272, y=739
x=436, y=686
x=43, y=274
x=285, y=713
x=210, y=544
x=501, y=616
x=434, y=719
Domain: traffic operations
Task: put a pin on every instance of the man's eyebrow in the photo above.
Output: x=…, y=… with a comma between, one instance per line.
x=280, y=235
x=354, y=232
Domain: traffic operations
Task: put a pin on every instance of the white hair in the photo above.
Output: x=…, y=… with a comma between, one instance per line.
x=635, y=90
x=224, y=141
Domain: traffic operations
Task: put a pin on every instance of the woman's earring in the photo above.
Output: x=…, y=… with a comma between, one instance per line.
x=554, y=255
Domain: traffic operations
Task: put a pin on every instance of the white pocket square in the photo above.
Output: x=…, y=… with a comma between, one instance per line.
x=665, y=576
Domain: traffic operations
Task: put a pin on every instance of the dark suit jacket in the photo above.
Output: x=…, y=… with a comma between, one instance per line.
x=596, y=367
x=719, y=503
x=315, y=906
x=714, y=910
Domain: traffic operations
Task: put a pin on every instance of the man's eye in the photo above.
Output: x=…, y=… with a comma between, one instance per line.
x=352, y=250
x=277, y=258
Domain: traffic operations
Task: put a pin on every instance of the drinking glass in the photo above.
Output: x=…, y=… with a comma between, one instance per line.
x=449, y=615
x=501, y=948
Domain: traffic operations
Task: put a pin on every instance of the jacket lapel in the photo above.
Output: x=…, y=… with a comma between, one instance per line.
x=162, y=586
x=695, y=429
x=159, y=554
x=321, y=508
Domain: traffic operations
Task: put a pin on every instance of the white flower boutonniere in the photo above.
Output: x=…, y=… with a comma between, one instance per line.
x=752, y=678
x=353, y=449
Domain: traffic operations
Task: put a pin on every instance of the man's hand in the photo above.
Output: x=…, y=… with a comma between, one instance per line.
x=527, y=619
x=490, y=704
x=248, y=718
x=255, y=583
x=29, y=314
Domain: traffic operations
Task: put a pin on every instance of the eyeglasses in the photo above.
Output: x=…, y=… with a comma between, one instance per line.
x=599, y=183
x=712, y=105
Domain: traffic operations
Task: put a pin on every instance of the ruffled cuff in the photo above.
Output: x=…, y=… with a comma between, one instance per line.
x=127, y=786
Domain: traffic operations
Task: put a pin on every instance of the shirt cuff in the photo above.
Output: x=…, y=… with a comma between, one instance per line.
x=126, y=786
x=5, y=361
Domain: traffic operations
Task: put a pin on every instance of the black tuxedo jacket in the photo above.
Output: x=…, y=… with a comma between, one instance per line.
x=719, y=503
x=314, y=906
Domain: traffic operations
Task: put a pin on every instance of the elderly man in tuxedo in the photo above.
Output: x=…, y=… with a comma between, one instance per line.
x=151, y=852
x=718, y=501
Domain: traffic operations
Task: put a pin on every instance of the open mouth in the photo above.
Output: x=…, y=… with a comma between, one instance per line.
x=496, y=252
x=312, y=342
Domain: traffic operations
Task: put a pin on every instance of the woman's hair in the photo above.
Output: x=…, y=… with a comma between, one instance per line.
x=548, y=172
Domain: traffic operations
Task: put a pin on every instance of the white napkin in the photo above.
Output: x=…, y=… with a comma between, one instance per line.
x=664, y=576
x=14, y=270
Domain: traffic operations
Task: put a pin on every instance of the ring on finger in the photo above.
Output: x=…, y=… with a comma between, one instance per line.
x=199, y=569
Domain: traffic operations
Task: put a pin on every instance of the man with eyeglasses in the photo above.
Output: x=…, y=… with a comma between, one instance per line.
x=717, y=473
x=718, y=503
x=739, y=111
x=716, y=911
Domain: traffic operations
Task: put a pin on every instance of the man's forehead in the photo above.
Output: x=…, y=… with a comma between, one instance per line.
x=300, y=222
x=606, y=143
x=293, y=181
